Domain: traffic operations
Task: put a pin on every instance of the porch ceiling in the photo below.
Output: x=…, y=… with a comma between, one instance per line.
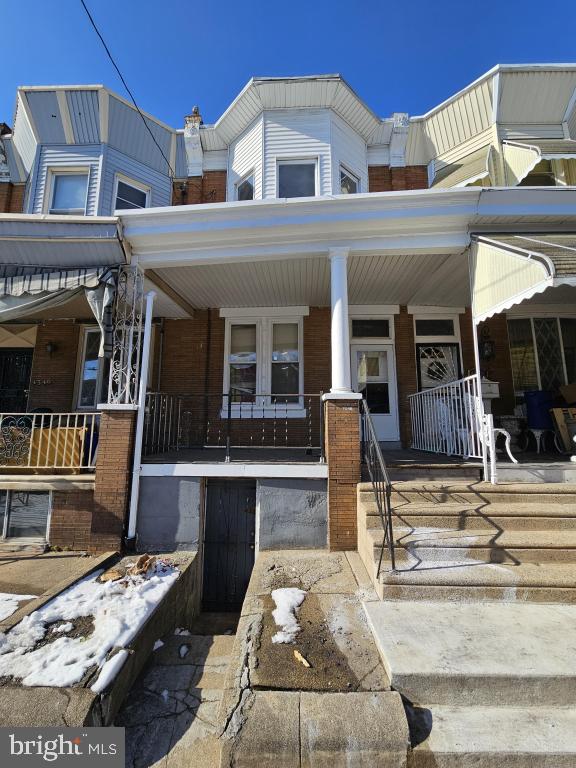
x=372, y=279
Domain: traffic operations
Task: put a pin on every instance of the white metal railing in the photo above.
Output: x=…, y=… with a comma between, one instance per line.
x=48, y=440
x=449, y=419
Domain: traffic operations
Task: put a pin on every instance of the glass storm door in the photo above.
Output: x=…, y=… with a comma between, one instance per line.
x=374, y=375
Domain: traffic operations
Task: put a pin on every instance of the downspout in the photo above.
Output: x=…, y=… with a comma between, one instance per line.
x=140, y=413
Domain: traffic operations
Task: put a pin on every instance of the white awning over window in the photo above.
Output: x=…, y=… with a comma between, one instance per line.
x=473, y=167
x=520, y=157
x=507, y=269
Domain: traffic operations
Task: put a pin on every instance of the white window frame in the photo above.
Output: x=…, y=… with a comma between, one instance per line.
x=54, y=171
x=241, y=180
x=344, y=168
x=131, y=183
x=311, y=160
x=85, y=331
x=372, y=339
x=550, y=315
x=263, y=404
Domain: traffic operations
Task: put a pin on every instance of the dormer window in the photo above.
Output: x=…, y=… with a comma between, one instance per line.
x=68, y=193
x=130, y=194
x=297, y=178
x=245, y=188
x=349, y=184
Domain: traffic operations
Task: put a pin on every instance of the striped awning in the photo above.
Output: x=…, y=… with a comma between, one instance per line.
x=473, y=167
x=507, y=269
x=520, y=157
x=20, y=281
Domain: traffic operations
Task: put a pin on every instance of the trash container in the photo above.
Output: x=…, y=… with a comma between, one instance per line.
x=538, y=406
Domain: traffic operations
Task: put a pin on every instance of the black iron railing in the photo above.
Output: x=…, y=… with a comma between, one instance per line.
x=381, y=486
x=235, y=420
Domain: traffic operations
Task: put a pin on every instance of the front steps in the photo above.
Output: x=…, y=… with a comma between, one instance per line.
x=473, y=541
x=476, y=626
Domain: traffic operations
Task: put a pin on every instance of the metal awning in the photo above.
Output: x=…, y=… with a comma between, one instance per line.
x=520, y=157
x=473, y=167
x=508, y=269
x=57, y=242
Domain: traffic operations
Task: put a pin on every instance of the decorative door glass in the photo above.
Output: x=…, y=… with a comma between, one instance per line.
x=549, y=352
x=437, y=364
x=373, y=379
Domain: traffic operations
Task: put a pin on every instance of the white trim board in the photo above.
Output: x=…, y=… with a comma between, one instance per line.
x=236, y=469
x=259, y=312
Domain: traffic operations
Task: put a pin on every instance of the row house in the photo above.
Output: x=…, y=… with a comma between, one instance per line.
x=200, y=328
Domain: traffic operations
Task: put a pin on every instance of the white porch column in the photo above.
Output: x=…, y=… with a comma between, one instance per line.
x=340, y=334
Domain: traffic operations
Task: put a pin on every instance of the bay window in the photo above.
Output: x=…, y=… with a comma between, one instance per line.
x=263, y=362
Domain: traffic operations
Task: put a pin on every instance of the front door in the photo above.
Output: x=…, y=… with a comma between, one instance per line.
x=229, y=541
x=374, y=376
x=15, y=369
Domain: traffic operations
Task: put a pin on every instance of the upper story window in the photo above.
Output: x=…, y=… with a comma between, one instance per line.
x=245, y=188
x=130, y=194
x=297, y=178
x=68, y=192
x=349, y=184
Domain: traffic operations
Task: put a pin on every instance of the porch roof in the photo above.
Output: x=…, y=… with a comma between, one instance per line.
x=471, y=168
x=28, y=240
x=508, y=269
x=520, y=157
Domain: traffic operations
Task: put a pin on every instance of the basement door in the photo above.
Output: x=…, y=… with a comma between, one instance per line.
x=229, y=541
x=374, y=376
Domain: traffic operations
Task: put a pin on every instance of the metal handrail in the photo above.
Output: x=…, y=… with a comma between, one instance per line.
x=381, y=485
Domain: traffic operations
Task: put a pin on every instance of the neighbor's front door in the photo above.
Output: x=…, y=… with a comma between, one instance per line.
x=374, y=376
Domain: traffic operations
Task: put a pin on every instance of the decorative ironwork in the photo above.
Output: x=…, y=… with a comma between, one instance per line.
x=15, y=433
x=128, y=334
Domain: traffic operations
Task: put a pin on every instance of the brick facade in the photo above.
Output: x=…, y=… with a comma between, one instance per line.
x=467, y=342
x=343, y=455
x=383, y=178
x=11, y=197
x=53, y=377
x=405, y=370
x=208, y=188
x=499, y=369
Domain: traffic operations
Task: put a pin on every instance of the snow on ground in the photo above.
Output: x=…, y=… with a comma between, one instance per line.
x=287, y=600
x=9, y=603
x=118, y=609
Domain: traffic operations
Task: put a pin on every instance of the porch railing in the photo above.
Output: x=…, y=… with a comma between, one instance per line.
x=232, y=421
x=449, y=419
x=381, y=486
x=48, y=441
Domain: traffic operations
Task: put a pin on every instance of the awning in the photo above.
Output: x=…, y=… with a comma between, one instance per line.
x=520, y=157
x=465, y=171
x=26, y=290
x=507, y=269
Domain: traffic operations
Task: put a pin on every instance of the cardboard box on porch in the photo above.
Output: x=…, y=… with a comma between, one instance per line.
x=568, y=392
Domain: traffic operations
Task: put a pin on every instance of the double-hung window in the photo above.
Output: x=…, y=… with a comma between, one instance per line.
x=263, y=362
x=130, y=194
x=68, y=192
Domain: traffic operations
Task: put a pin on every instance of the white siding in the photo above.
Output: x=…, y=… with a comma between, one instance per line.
x=215, y=160
x=297, y=134
x=514, y=132
x=535, y=96
x=87, y=156
x=245, y=155
x=116, y=162
x=348, y=149
x=24, y=140
x=572, y=123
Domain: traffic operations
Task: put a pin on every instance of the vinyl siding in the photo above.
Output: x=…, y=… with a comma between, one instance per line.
x=245, y=154
x=128, y=134
x=297, y=134
x=24, y=140
x=46, y=115
x=116, y=162
x=84, y=115
x=535, y=96
x=67, y=156
x=572, y=123
x=181, y=169
x=514, y=132
x=348, y=149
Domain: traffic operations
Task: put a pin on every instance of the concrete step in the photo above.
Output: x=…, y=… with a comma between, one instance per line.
x=483, y=654
x=495, y=546
x=30, y=545
x=430, y=518
x=494, y=737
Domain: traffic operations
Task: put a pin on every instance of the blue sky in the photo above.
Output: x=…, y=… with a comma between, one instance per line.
x=398, y=56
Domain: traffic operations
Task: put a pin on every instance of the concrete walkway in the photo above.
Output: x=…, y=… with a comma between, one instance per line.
x=171, y=713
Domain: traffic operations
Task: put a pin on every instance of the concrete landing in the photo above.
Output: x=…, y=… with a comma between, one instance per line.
x=478, y=653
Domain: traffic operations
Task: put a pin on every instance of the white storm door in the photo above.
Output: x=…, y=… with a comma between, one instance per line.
x=374, y=376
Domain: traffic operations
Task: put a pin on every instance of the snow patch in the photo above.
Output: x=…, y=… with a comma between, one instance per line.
x=287, y=600
x=180, y=631
x=9, y=603
x=118, y=608
x=184, y=651
x=109, y=671
x=158, y=644
x=62, y=628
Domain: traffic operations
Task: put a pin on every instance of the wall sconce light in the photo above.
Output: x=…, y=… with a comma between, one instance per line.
x=487, y=347
x=51, y=348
